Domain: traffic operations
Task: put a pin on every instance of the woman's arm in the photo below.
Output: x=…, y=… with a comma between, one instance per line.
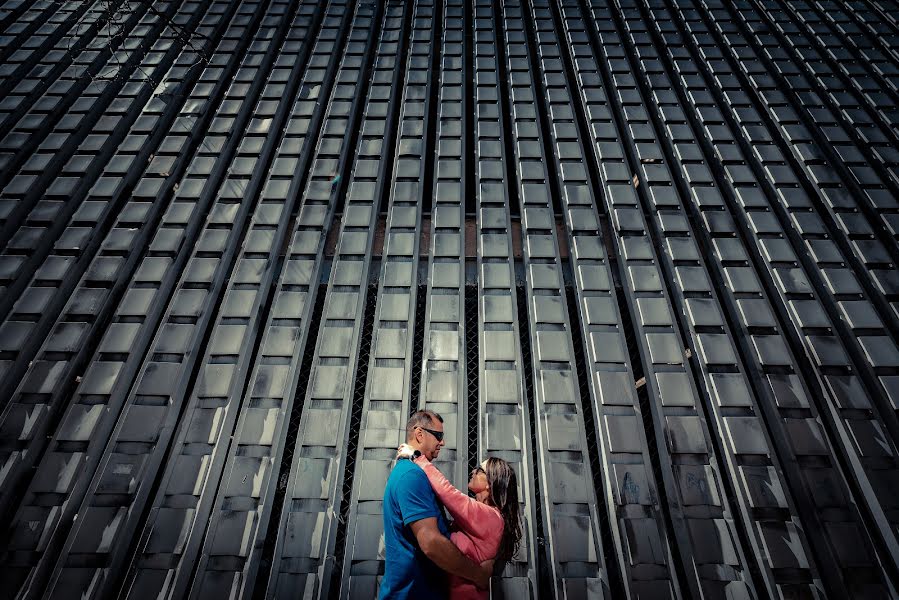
x=473, y=517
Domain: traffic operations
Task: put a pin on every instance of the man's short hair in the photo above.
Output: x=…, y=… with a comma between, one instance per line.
x=421, y=418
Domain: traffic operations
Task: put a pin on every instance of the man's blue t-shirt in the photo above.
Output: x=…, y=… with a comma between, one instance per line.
x=408, y=573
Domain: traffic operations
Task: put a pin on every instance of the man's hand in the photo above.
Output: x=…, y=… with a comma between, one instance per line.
x=486, y=572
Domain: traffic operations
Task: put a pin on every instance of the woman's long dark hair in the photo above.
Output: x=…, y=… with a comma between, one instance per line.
x=504, y=496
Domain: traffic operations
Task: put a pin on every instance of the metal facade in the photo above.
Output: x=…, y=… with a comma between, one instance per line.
x=643, y=249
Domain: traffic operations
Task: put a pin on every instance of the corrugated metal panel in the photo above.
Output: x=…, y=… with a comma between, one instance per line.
x=645, y=250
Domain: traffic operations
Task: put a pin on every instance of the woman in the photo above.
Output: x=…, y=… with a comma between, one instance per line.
x=484, y=527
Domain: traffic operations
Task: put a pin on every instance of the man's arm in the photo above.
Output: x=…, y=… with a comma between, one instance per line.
x=445, y=555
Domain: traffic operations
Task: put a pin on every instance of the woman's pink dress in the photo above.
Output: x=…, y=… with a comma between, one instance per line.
x=478, y=529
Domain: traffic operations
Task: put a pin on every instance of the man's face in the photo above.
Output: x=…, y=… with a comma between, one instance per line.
x=428, y=444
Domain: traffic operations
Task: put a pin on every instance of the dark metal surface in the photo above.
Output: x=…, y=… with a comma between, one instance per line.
x=645, y=250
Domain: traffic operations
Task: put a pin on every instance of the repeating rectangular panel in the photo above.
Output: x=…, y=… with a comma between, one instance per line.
x=36, y=29
x=103, y=387
x=339, y=58
x=310, y=522
x=569, y=502
x=860, y=233
x=68, y=318
x=864, y=99
x=379, y=423
x=164, y=562
x=845, y=366
x=444, y=384
x=166, y=378
x=186, y=408
x=834, y=190
x=41, y=47
x=790, y=383
x=66, y=147
x=703, y=529
x=726, y=384
x=642, y=545
x=879, y=30
x=507, y=412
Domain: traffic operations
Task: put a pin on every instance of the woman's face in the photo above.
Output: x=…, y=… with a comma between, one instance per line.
x=478, y=481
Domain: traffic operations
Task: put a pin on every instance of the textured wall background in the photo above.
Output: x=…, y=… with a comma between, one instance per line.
x=644, y=249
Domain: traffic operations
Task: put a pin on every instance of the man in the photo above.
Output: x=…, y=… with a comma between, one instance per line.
x=415, y=531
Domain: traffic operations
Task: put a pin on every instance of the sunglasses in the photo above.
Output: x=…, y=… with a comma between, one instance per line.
x=436, y=434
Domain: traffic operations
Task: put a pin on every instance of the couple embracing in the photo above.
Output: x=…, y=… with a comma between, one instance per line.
x=426, y=557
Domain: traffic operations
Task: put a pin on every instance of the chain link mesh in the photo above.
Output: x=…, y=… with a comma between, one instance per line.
x=472, y=366
x=543, y=574
x=293, y=428
x=593, y=450
x=418, y=342
x=362, y=363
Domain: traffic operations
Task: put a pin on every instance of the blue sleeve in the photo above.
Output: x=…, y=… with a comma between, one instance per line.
x=416, y=498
